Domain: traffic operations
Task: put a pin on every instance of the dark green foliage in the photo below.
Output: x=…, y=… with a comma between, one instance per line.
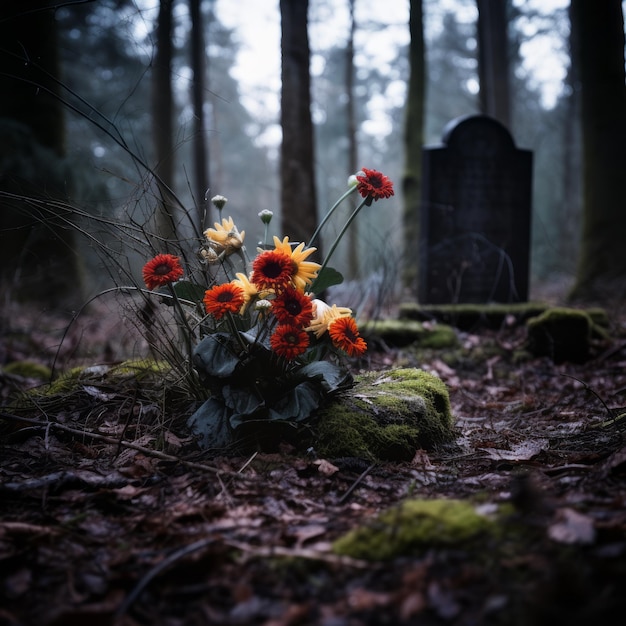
x=253, y=393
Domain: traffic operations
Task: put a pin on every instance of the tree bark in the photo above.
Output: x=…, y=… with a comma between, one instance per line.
x=162, y=127
x=38, y=256
x=353, y=231
x=598, y=51
x=413, y=141
x=200, y=145
x=493, y=60
x=298, y=193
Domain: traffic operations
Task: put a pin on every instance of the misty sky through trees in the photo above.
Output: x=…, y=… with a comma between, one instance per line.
x=107, y=55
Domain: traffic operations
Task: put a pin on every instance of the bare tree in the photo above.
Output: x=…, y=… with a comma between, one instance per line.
x=413, y=141
x=351, y=126
x=597, y=31
x=493, y=60
x=162, y=124
x=38, y=255
x=200, y=145
x=298, y=195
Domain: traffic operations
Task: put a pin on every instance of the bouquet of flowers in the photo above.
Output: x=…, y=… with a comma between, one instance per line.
x=264, y=346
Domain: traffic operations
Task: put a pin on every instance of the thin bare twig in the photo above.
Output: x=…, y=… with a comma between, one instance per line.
x=127, y=444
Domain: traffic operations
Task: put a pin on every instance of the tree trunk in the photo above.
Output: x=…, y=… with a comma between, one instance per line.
x=413, y=141
x=353, y=231
x=598, y=51
x=162, y=127
x=38, y=255
x=298, y=195
x=200, y=146
x=493, y=64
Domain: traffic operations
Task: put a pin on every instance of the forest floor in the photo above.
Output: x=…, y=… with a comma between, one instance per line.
x=151, y=532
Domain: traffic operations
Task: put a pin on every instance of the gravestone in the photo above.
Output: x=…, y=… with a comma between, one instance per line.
x=475, y=216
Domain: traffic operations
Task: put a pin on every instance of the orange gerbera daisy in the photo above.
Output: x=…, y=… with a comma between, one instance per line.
x=304, y=271
x=272, y=270
x=162, y=270
x=324, y=315
x=373, y=184
x=293, y=307
x=223, y=299
x=289, y=341
x=344, y=334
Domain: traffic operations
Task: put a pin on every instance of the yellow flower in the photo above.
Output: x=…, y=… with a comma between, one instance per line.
x=325, y=315
x=305, y=271
x=250, y=292
x=225, y=236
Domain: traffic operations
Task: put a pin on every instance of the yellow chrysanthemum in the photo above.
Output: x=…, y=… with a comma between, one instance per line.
x=305, y=270
x=225, y=236
x=325, y=315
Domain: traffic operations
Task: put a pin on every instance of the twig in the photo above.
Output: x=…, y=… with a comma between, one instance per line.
x=157, y=569
x=356, y=483
x=255, y=551
x=303, y=553
x=243, y=467
x=128, y=444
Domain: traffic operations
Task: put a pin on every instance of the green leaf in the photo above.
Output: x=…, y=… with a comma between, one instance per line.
x=242, y=400
x=185, y=290
x=215, y=356
x=211, y=424
x=332, y=377
x=326, y=278
x=298, y=404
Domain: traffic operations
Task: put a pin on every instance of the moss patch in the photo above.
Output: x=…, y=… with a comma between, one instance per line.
x=564, y=334
x=412, y=525
x=386, y=417
x=29, y=369
x=403, y=332
x=472, y=316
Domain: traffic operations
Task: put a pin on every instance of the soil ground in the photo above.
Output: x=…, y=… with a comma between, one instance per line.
x=109, y=515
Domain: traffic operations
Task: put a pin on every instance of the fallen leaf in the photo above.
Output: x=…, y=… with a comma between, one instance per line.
x=572, y=527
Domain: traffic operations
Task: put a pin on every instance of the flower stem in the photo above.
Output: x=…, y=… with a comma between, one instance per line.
x=330, y=212
x=185, y=329
x=339, y=237
x=235, y=332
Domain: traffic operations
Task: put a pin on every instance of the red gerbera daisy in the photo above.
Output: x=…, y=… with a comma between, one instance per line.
x=344, y=334
x=289, y=341
x=222, y=299
x=272, y=270
x=163, y=269
x=293, y=307
x=374, y=185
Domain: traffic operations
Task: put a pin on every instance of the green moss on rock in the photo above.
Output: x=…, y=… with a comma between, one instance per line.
x=471, y=316
x=412, y=525
x=386, y=416
x=563, y=334
x=403, y=332
x=29, y=369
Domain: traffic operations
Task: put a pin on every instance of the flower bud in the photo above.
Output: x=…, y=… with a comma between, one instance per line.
x=219, y=202
x=266, y=216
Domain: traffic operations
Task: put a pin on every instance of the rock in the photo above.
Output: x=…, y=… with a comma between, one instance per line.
x=386, y=416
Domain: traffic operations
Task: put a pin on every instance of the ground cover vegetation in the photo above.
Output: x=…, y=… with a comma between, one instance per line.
x=110, y=511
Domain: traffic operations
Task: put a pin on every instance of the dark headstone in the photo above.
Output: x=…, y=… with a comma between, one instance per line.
x=475, y=216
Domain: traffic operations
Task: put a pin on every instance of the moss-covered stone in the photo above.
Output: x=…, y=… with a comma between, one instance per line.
x=386, y=416
x=472, y=316
x=140, y=370
x=412, y=525
x=563, y=334
x=29, y=369
x=403, y=332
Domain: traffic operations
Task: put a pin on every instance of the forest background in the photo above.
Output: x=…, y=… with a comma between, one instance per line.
x=111, y=143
